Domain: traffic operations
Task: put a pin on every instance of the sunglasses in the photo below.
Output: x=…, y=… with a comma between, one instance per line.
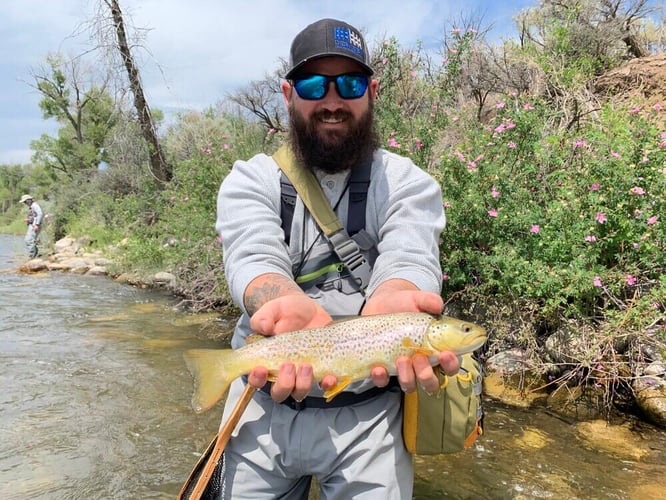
x=315, y=87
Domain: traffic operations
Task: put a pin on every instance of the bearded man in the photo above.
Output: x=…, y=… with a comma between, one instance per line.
x=281, y=276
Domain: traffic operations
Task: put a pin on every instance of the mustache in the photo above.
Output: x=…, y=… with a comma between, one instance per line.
x=326, y=114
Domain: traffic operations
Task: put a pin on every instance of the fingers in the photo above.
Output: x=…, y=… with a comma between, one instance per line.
x=406, y=377
x=417, y=371
x=287, y=314
x=328, y=382
x=424, y=373
x=292, y=382
x=449, y=362
x=429, y=302
x=402, y=301
x=380, y=376
x=258, y=377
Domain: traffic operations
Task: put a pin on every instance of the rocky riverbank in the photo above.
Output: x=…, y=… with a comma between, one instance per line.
x=70, y=255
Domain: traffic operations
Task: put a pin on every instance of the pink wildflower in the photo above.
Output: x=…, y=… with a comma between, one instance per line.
x=597, y=282
x=460, y=156
x=638, y=191
x=393, y=143
x=615, y=154
x=528, y=107
x=492, y=212
x=511, y=145
x=494, y=192
x=500, y=105
x=601, y=217
x=652, y=220
x=590, y=238
x=631, y=280
x=657, y=107
x=594, y=187
x=535, y=229
x=445, y=277
x=447, y=204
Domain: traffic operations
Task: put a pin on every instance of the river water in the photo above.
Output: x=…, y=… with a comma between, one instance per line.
x=95, y=404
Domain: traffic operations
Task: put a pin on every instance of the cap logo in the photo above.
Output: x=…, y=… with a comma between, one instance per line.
x=348, y=40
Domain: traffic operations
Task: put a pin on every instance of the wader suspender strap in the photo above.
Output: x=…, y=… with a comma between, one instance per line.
x=307, y=186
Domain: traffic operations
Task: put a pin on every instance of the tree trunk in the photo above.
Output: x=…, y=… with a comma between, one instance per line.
x=158, y=164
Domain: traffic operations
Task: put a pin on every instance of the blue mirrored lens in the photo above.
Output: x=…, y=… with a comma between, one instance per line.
x=312, y=87
x=351, y=86
x=315, y=87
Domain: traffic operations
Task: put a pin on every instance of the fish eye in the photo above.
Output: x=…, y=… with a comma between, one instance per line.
x=466, y=328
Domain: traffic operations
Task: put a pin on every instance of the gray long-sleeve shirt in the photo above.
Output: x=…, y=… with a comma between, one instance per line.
x=404, y=217
x=35, y=214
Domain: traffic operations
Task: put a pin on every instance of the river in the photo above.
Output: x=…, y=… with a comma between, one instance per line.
x=95, y=404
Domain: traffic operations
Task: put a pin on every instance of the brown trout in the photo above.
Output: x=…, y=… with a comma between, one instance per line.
x=348, y=349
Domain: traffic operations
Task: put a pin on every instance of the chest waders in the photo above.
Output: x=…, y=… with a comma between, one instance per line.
x=444, y=423
x=351, y=244
x=353, y=249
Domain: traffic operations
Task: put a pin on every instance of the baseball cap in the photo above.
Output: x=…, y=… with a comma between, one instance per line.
x=328, y=37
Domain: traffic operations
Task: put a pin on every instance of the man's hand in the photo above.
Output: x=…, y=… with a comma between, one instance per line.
x=402, y=296
x=285, y=314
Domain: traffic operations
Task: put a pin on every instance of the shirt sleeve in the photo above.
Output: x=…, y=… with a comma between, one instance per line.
x=410, y=219
x=249, y=224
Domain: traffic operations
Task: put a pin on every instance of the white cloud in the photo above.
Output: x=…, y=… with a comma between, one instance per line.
x=194, y=52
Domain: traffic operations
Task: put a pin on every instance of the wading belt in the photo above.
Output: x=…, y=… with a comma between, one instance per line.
x=308, y=188
x=344, y=398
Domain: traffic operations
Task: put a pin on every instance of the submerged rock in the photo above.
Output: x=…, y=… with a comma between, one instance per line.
x=616, y=440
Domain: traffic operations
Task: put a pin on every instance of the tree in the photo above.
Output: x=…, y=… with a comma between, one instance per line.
x=263, y=98
x=83, y=109
x=160, y=168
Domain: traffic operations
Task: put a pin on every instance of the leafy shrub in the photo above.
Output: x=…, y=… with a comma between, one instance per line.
x=567, y=218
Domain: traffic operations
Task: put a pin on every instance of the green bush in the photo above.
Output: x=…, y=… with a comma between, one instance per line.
x=567, y=218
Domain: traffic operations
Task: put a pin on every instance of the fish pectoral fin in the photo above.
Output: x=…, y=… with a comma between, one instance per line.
x=337, y=388
x=408, y=343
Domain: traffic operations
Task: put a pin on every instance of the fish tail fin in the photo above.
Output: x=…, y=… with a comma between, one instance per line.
x=211, y=376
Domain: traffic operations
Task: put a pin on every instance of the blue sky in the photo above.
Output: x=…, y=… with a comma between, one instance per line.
x=199, y=50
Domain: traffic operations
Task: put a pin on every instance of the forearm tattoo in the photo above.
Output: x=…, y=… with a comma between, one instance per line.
x=270, y=289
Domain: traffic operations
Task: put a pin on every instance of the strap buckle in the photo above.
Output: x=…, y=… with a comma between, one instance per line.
x=350, y=253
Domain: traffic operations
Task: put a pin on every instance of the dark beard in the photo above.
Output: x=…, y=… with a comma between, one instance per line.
x=338, y=151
